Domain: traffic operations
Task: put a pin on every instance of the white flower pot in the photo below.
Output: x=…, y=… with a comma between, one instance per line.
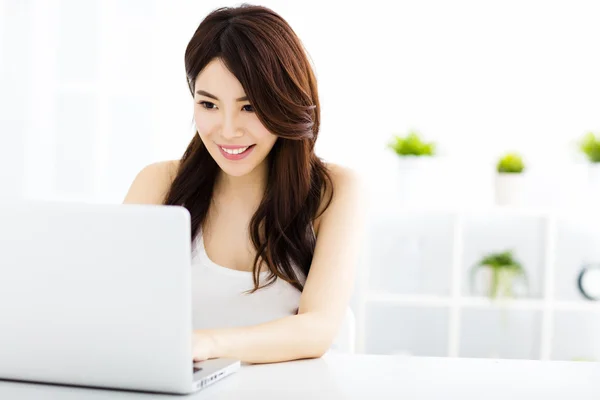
x=593, y=183
x=412, y=177
x=509, y=284
x=509, y=189
x=594, y=174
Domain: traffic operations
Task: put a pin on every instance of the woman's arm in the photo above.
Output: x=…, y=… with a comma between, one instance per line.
x=325, y=297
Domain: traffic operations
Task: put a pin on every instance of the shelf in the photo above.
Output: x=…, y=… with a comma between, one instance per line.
x=478, y=302
x=387, y=331
x=411, y=254
x=576, y=306
x=576, y=245
x=524, y=235
x=513, y=304
x=575, y=336
x=409, y=300
x=463, y=302
x=416, y=279
x=495, y=333
x=582, y=211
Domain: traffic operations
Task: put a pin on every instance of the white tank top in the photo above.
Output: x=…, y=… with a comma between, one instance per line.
x=220, y=299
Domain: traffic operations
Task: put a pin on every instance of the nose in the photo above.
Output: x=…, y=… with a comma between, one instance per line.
x=230, y=128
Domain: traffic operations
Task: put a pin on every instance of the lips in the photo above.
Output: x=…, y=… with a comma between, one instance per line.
x=235, y=153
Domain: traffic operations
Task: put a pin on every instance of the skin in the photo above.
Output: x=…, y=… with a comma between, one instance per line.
x=228, y=120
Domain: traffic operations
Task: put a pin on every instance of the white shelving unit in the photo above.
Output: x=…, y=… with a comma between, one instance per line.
x=443, y=315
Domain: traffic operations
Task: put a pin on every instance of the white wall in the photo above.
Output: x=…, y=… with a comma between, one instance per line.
x=100, y=86
x=14, y=67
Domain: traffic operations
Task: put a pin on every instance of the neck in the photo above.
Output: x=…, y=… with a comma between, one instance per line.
x=250, y=187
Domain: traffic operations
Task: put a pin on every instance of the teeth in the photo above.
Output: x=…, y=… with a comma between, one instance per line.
x=235, y=151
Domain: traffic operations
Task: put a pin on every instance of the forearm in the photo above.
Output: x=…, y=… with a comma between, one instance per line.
x=289, y=338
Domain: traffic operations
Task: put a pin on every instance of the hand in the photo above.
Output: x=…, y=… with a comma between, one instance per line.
x=203, y=345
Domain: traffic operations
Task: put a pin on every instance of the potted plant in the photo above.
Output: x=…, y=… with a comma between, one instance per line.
x=509, y=182
x=590, y=147
x=411, y=145
x=413, y=156
x=501, y=273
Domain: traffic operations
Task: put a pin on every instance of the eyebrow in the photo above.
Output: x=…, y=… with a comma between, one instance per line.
x=212, y=96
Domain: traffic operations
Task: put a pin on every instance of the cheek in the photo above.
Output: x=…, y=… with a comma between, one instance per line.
x=205, y=126
x=260, y=133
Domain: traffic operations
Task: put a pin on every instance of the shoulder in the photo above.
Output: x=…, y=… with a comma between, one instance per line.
x=348, y=187
x=344, y=178
x=344, y=197
x=152, y=183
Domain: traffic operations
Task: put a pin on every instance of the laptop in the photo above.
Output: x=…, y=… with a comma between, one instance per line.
x=99, y=295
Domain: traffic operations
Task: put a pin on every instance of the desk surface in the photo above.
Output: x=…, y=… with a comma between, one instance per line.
x=369, y=376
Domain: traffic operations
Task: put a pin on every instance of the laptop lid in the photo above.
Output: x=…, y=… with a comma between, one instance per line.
x=96, y=295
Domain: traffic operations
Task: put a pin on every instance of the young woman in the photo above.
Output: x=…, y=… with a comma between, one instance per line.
x=275, y=230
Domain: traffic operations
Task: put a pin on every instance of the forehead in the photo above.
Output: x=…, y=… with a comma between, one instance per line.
x=218, y=80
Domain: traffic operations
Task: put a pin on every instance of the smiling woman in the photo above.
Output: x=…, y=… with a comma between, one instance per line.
x=275, y=229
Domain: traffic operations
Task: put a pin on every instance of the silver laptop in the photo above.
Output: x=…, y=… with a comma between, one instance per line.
x=99, y=295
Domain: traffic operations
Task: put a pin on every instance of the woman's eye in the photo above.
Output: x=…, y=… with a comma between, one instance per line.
x=208, y=105
x=248, y=108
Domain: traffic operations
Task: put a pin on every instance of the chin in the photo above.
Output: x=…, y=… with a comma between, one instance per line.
x=236, y=172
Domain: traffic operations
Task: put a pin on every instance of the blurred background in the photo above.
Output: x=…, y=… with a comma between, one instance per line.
x=475, y=123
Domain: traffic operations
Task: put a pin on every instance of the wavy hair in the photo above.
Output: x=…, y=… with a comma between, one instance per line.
x=265, y=55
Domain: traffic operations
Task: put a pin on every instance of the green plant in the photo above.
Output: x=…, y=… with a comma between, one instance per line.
x=411, y=145
x=511, y=163
x=590, y=146
x=504, y=268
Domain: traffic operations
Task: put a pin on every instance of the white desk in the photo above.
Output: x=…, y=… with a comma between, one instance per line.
x=370, y=377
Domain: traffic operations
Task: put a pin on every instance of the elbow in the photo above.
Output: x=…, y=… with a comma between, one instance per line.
x=321, y=352
x=318, y=350
x=320, y=342
x=313, y=353
x=317, y=335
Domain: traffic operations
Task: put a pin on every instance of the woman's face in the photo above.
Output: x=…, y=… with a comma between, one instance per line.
x=227, y=123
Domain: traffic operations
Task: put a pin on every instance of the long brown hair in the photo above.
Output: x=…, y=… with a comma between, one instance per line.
x=265, y=55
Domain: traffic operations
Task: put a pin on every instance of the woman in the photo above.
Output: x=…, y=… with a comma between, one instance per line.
x=274, y=228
